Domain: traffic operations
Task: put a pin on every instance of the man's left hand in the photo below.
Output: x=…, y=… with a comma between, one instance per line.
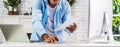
x=72, y=28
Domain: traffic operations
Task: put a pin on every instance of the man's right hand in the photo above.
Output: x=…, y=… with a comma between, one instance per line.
x=50, y=39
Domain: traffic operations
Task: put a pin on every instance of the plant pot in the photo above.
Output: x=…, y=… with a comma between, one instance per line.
x=12, y=11
x=15, y=11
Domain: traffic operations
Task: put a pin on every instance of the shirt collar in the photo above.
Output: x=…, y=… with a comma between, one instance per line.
x=57, y=5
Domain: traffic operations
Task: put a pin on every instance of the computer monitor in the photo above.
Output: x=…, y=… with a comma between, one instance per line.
x=100, y=10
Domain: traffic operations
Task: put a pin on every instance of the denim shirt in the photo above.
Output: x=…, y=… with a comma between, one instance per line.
x=40, y=17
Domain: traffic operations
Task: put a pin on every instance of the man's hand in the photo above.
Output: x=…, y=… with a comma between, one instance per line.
x=50, y=39
x=72, y=28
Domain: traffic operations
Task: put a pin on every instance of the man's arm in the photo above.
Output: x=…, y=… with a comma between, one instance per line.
x=67, y=15
x=37, y=19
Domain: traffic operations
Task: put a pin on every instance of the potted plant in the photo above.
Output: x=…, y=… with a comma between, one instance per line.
x=12, y=6
x=116, y=24
x=71, y=2
x=116, y=27
x=116, y=6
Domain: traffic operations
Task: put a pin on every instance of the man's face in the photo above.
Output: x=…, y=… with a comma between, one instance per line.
x=54, y=2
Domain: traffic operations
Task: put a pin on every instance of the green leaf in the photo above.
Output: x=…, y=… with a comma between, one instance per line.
x=118, y=0
x=71, y=2
x=12, y=3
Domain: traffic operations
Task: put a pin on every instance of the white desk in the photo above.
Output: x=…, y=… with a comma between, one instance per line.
x=42, y=44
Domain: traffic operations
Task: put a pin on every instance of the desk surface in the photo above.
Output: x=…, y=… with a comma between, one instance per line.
x=40, y=44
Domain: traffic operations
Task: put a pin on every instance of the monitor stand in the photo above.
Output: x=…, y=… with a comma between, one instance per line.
x=106, y=34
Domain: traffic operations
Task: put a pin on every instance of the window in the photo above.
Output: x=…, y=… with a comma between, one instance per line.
x=116, y=20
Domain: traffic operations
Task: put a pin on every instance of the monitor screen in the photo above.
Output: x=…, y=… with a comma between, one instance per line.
x=97, y=10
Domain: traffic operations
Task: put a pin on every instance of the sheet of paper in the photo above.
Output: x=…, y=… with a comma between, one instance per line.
x=66, y=24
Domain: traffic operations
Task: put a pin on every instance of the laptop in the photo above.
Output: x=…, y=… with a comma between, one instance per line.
x=14, y=33
x=2, y=38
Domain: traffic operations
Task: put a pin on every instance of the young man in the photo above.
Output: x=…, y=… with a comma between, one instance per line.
x=47, y=15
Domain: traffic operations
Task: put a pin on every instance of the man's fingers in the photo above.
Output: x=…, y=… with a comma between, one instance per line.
x=72, y=28
x=54, y=40
x=75, y=25
x=51, y=40
x=47, y=41
x=55, y=37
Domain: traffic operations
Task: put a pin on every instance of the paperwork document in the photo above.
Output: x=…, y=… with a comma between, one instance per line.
x=66, y=24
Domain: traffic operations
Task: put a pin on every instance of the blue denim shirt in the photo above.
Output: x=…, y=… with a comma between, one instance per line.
x=40, y=17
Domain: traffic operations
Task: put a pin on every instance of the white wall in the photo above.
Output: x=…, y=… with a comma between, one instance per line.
x=3, y=10
x=25, y=6
x=80, y=9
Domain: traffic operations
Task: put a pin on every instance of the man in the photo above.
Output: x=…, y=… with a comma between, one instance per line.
x=48, y=15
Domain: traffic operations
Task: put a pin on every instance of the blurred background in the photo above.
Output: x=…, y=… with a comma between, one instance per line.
x=20, y=13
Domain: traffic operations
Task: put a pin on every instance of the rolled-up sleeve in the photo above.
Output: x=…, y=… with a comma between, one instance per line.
x=38, y=29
